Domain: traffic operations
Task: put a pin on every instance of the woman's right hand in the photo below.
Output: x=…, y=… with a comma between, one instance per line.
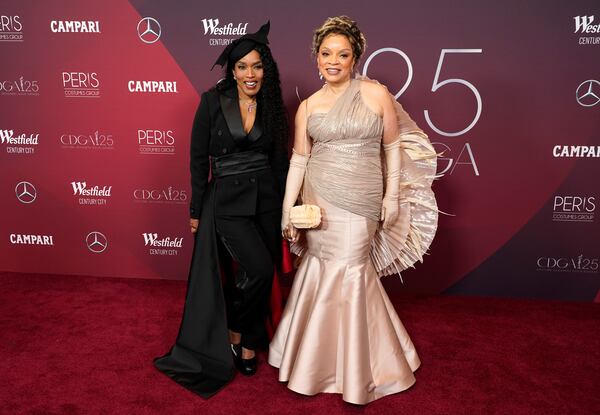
x=295, y=176
x=194, y=224
x=288, y=231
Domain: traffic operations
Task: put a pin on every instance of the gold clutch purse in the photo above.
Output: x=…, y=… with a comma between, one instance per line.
x=305, y=216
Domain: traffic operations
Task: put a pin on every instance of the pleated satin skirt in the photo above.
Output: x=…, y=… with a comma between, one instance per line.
x=339, y=332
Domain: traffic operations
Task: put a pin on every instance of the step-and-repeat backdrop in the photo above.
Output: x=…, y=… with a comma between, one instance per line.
x=97, y=101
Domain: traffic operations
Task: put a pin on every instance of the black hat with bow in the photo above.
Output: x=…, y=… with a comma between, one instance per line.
x=240, y=47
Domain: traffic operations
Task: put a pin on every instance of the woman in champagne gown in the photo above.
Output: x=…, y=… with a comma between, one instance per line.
x=369, y=168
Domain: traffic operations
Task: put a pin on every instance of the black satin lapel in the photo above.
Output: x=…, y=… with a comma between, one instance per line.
x=256, y=131
x=231, y=112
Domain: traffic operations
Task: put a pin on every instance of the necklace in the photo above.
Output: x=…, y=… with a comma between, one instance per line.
x=251, y=104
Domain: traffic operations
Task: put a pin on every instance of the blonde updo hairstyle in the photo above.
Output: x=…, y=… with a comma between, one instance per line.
x=341, y=25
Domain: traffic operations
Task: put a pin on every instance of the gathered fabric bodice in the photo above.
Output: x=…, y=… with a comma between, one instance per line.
x=345, y=163
x=346, y=169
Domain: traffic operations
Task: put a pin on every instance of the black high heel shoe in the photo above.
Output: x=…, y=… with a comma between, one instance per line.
x=247, y=367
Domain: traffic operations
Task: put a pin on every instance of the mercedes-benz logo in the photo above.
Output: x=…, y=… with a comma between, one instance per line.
x=96, y=242
x=588, y=93
x=25, y=192
x=148, y=30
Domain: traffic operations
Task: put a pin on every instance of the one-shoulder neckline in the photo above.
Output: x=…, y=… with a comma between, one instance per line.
x=352, y=81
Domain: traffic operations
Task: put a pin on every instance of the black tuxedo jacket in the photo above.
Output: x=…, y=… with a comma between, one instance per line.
x=218, y=131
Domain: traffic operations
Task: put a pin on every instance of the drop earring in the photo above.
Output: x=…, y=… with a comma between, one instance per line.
x=320, y=76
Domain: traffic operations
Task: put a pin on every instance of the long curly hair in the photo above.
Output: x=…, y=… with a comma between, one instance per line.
x=270, y=99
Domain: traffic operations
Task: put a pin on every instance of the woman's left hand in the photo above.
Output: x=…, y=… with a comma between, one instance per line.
x=390, y=210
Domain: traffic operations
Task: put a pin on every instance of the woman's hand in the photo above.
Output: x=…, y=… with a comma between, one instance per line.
x=390, y=210
x=295, y=176
x=194, y=224
x=288, y=231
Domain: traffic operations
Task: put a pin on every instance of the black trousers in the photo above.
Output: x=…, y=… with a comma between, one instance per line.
x=252, y=242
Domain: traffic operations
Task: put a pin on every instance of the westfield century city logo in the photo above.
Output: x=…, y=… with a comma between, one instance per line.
x=81, y=189
x=584, y=24
x=212, y=26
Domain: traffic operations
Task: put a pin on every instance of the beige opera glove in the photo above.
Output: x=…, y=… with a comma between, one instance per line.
x=390, y=209
x=293, y=184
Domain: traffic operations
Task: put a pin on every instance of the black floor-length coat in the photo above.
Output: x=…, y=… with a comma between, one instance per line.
x=201, y=358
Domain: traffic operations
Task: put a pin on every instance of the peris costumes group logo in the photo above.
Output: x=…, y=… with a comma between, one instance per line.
x=11, y=29
x=156, y=142
x=81, y=84
x=568, y=208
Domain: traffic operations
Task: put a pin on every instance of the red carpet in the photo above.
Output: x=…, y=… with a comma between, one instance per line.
x=82, y=345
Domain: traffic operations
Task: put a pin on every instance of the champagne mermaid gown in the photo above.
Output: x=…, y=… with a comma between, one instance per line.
x=339, y=332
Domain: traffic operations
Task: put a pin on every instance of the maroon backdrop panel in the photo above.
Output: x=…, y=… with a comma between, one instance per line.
x=97, y=104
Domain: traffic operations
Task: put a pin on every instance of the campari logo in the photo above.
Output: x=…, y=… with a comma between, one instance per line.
x=168, y=195
x=588, y=29
x=11, y=29
x=28, y=239
x=21, y=87
x=153, y=87
x=580, y=263
x=94, y=141
x=156, y=142
x=91, y=195
x=568, y=208
x=576, y=151
x=23, y=143
x=75, y=26
x=81, y=84
x=222, y=34
x=159, y=245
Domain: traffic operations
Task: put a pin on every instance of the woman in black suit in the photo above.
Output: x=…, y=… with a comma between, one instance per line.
x=240, y=135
